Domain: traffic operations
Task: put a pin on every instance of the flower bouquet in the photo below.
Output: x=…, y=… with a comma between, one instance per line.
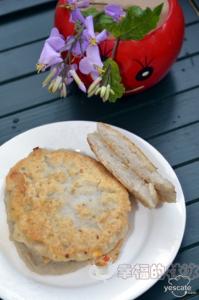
x=81, y=55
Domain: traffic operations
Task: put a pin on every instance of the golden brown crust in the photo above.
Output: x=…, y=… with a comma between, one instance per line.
x=111, y=256
x=65, y=205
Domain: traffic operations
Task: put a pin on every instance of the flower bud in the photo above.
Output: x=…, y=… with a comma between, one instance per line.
x=94, y=84
x=55, y=84
x=63, y=92
x=107, y=93
x=49, y=77
x=77, y=80
x=93, y=91
x=98, y=90
x=103, y=91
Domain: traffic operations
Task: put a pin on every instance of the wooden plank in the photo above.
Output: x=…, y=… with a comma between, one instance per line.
x=159, y=117
x=189, y=179
x=179, y=146
x=188, y=257
x=193, y=297
x=21, y=93
x=25, y=30
x=21, y=61
x=189, y=13
x=191, y=42
x=21, y=31
x=14, y=6
x=13, y=125
x=67, y=109
x=192, y=224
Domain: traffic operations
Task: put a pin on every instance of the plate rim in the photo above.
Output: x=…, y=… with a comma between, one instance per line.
x=150, y=282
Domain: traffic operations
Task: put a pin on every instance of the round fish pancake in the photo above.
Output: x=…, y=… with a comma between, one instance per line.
x=65, y=206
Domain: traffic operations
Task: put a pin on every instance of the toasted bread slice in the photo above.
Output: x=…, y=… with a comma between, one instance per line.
x=136, y=161
x=143, y=191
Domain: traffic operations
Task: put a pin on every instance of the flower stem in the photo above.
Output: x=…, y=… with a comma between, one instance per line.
x=114, y=51
x=106, y=77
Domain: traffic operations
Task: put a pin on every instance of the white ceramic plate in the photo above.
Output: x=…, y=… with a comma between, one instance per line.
x=154, y=235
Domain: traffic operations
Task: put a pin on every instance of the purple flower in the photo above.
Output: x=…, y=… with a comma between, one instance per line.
x=76, y=16
x=74, y=6
x=69, y=42
x=91, y=63
x=49, y=57
x=50, y=54
x=56, y=40
x=89, y=32
x=115, y=11
x=88, y=37
x=77, y=47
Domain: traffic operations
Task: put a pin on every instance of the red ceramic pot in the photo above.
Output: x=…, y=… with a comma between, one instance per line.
x=142, y=63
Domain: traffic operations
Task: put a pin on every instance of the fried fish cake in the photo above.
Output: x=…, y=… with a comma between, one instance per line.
x=65, y=206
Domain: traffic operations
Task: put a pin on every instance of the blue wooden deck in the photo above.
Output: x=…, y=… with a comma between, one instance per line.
x=166, y=115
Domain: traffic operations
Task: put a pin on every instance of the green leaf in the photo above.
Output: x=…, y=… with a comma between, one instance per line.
x=138, y=22
x=102, y=21
x=134, y=26
x=91, y=11
x=115, y=80
x=158, y=9
x=99, y=17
